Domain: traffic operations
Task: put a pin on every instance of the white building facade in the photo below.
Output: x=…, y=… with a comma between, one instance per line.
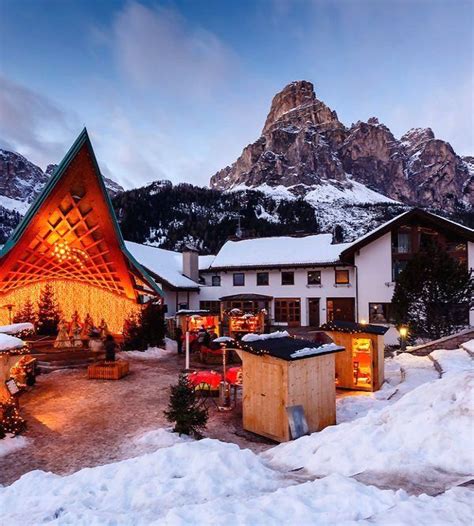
x=307, y=281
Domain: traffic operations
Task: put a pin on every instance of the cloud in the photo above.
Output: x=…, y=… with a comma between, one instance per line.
x=159, y=49
x=444, y=110
x=32, y=124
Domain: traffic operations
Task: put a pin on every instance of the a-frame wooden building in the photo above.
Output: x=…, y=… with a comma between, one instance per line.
x=70, y=238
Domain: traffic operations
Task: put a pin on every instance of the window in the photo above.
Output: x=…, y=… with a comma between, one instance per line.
x=287, y=310
x=287, y=278
x=216, y=281
x=398, y=267
x=239, y=279
x=342, y=277
x=314, y=277
x=403, y=242
x=380, y=313
x=262, y=278
x=214, y=307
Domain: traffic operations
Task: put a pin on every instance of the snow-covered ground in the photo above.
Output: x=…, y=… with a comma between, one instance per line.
x=419, y=423
x=152, y=353
x=11, y=443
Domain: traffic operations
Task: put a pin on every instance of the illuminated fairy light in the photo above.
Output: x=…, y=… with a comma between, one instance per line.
x=63, y=252
x=74, y=295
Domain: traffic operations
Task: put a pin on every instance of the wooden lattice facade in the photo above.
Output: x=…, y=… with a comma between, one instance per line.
x=70, y=237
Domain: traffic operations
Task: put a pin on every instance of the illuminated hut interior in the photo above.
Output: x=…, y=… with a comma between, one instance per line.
x=70, y=239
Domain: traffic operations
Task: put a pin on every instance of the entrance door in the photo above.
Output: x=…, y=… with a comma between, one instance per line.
x=340, y=309
x=313, y=312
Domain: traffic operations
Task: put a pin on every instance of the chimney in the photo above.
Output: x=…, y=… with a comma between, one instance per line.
x=191, y=263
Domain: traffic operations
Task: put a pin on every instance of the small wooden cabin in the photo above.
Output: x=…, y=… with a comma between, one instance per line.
x=361, y=365
x=283, y=372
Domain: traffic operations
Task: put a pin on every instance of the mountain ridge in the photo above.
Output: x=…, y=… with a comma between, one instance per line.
x=303, y=145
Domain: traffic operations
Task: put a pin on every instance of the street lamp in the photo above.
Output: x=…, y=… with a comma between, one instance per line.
x=403, y=338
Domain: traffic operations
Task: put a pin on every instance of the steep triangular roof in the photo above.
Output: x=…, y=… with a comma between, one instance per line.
x=71, y=232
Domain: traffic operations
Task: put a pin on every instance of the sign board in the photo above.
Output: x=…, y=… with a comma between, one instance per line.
x=12, y=386
x=297, y=420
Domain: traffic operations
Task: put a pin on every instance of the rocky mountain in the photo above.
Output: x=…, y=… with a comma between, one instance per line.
x=21, y=180
x=304, y=147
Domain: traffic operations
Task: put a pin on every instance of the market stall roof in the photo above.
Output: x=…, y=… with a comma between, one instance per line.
x=277, y=252
x=288, y=348
x=165, y=266
x=350, y=326
x=246, y=297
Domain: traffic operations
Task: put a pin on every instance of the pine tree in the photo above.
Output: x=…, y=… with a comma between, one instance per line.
x=26, y=314
x=152, y=324
x=433, y=294
x=184, y=411
x=49, y=313
x=131, y=333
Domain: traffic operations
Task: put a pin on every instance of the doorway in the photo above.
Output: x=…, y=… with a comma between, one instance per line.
x=313, y=312
x=340, y=309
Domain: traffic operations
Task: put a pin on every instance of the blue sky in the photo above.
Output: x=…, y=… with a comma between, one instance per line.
x=175, y=89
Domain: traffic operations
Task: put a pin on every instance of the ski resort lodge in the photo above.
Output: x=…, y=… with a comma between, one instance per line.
x=70, y=239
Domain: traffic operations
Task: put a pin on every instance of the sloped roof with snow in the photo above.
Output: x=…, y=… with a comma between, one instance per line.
x=279, y=251
x=166, y=265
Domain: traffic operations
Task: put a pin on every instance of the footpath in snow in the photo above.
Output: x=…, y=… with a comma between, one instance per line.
x=422, y=424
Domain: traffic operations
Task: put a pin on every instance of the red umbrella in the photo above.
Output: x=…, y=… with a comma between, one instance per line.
x=234, y=375
x=212, y=378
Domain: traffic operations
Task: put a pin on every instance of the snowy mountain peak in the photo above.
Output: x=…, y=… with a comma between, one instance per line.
x=304, y=145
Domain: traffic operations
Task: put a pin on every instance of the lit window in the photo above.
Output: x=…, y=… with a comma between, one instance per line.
x=287, y=278
x=342, y=277
x=239, y=279
x=314, y=277
x=262, y=278
x=216, y=281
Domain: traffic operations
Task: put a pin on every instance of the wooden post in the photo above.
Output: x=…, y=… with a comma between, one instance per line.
x=187, y=351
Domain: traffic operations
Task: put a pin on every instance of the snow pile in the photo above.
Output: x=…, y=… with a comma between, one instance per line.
x=152, y=353
x=251, y=337
x=452, y=361
x=15, y=328
x=468, y=346
x=140, y=490
x=333, y=500
x=10, y=342
x=11, y=443
x=160, y=438
x=430, y=427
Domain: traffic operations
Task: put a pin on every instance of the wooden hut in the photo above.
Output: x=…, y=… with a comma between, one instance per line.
x=361, y=365
x=283, y=372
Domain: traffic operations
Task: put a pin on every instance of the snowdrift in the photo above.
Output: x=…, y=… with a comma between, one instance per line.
x=430, y=427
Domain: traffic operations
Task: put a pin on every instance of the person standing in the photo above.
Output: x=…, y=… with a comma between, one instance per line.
x=110, y=347
x=178, y=336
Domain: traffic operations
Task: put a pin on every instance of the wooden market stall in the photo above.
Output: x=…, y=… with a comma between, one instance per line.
x=361, y=365
x=282, y=372
x=245, y=313
x=193, y=320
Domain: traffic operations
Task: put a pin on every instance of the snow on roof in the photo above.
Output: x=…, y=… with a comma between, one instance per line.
x=282, y=250
x=167, y=264
x=205, y=262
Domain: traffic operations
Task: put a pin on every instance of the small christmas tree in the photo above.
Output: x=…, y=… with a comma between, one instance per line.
x=184, y=411
x=49, y=314
x=131, y=333
x=26, y=314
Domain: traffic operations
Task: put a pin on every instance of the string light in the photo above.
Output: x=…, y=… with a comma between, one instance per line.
x=63, y=252
x=74, y=295
x=11, y=421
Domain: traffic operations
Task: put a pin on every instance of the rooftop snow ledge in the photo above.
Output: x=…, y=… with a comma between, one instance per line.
x=258, y=337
